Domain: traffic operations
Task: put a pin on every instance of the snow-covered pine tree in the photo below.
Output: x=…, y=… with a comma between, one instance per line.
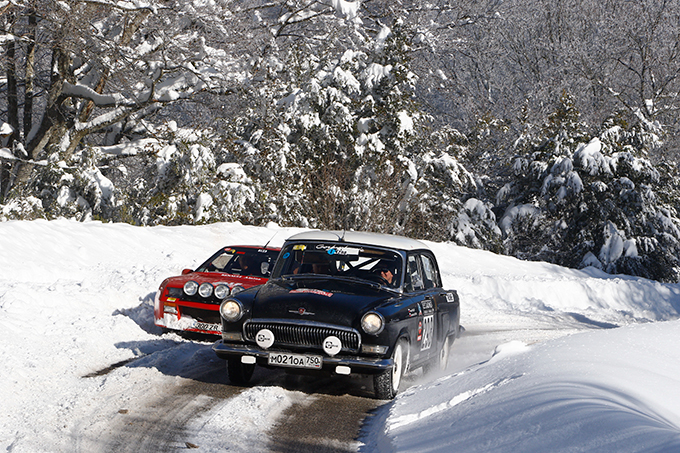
x=530, y=230
x=578, y=201
x=335, y=154
x=193, y=180
x=632, y=230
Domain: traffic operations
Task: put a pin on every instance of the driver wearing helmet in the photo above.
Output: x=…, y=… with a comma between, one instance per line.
x=387, y=270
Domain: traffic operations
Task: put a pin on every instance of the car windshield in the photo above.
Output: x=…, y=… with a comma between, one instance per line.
x=241, y=261
x=341, y=260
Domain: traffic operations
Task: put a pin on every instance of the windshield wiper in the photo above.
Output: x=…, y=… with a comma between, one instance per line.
x=305, y=276
x=345, y=278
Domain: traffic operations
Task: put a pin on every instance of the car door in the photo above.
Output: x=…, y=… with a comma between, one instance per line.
x=444, y=301
x=422, y=298
x=438, y=308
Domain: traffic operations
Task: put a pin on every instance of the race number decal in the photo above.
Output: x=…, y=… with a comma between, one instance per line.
x=428, y=332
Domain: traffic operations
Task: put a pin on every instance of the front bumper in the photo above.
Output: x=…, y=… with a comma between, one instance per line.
x=187, y=324
x=358, y=364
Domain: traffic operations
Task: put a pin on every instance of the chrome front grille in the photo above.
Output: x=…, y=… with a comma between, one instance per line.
x=303, y=334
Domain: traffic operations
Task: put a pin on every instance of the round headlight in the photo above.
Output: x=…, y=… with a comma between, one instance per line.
x=237, y=289
x=231, y=310
x=372, y=323
x=205, y=290
x=190, y=288
x=221, y=291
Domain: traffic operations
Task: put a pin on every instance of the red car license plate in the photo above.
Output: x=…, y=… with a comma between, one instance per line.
x=210, y=327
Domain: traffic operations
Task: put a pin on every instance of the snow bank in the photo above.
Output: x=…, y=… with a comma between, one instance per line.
x=488, y=282
x=76, y=298
x=605, y=391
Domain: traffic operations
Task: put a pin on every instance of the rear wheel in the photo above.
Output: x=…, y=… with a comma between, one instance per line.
x=239, y=373
x=386, y=384
x=441, y=361
x=444, y=354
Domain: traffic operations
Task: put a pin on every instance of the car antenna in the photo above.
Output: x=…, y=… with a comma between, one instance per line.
x=271, y=239
x=342, y=238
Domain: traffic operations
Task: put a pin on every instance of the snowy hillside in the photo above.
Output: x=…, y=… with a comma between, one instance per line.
x=538, y=369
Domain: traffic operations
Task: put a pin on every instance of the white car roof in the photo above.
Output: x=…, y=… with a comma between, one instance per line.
x=358, y=237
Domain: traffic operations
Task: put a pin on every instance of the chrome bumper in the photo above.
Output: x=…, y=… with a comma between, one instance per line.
x=356, y=363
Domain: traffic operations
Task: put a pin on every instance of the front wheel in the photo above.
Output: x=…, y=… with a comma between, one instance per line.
x=386, y=384
x=239, y=372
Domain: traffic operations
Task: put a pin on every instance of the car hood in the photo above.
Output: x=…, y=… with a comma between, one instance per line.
x=214, y=278
x=321, y=300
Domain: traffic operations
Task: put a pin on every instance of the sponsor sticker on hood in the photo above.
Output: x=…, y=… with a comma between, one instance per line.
x=311, y=291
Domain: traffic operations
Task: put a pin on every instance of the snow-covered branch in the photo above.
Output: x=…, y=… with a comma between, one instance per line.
x=84, y=92
x=128, y=6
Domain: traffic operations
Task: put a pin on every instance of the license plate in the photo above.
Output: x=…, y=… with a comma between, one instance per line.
x=211, y=327
x=295, y=360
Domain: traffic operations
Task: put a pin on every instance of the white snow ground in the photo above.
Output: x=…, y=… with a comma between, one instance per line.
x=538, y=369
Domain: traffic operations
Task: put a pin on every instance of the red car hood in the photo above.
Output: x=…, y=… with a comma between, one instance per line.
x=214, y=278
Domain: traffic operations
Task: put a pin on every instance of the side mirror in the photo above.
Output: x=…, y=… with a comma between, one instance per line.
x=186, y=271
x=264, y=268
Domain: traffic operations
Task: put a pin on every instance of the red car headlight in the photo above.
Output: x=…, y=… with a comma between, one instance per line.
x=190, y=288
x=221, y=291
x=205, y=290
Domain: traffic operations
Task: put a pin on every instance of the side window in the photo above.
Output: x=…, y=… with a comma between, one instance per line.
x=414, y=280
x=430, y=274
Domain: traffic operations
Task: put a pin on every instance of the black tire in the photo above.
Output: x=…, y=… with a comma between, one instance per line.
x=239, y=373
x=444, y=354
x=441, y=362
x=386, y=384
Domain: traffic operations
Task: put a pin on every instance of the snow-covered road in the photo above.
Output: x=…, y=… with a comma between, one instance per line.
x=539, y=367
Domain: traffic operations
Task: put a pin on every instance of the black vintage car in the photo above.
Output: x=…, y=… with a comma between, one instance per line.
x=344, y=302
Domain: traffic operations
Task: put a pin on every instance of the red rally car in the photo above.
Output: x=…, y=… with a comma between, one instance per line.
x=191, y=302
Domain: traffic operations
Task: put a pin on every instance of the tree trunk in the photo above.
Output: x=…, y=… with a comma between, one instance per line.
x=12, y=115
x=131, y=27
x=12, y=104
x=30, y=76
x=53, y=124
